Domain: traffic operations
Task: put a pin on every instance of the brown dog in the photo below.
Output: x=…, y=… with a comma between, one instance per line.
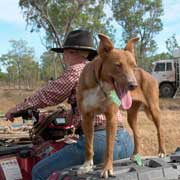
x=147, y=93
x=113, y=69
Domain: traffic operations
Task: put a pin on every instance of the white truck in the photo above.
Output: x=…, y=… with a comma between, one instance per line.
x=167, y=72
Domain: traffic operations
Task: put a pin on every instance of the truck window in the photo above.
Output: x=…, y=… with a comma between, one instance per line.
x=160, y=67
x=169, y=67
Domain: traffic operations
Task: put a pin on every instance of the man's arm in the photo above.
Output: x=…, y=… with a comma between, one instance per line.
x=53, y=93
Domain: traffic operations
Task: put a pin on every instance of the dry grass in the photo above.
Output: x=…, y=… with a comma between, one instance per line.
x=147, y=131
x=148, y=135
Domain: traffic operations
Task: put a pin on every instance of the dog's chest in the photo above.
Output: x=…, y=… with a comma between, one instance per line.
x=96, y=99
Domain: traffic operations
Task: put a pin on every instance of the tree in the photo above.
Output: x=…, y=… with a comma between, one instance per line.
x=2, y=75
x=19, y=62
x=171, y=44
x=139, y=18
x=50, y=66
x=58, y=17
x=156, y=57
x=30, y=73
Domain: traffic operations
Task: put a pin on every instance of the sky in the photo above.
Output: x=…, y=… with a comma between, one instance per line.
x=13, y=26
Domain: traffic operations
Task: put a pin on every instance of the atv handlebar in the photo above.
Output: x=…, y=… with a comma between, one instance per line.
x=27, y=114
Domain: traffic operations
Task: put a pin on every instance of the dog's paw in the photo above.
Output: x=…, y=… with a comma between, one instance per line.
x=108, y=170
x=106, y=173
x=132, y=157
x=162, y=155
x=86, y=167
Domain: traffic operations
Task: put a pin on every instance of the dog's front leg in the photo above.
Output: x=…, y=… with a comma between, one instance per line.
x=88, y=129
x=132, y=121
x=111, y=129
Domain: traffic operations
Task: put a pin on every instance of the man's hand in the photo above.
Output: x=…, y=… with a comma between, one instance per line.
x=9, y=114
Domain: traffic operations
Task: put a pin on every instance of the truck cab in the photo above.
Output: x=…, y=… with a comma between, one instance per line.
x=165, y=72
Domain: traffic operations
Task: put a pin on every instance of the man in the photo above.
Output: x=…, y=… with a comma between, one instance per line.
x=77, y=49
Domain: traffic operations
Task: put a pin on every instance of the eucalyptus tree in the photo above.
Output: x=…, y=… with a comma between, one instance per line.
x=57, y=17
x=172, y=44
x=50, y=60
x=140, y=18
x=19, y=62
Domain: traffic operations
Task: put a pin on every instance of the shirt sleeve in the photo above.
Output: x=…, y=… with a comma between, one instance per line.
x=53, y=93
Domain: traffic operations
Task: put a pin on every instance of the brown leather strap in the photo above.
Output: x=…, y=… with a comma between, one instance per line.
x=103, y=127
x=96, y=128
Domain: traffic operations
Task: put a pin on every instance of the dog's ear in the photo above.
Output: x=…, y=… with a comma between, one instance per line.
x=105, y=45
x=130, y=44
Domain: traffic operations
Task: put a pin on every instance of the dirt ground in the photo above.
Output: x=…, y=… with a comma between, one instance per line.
x=170, y=111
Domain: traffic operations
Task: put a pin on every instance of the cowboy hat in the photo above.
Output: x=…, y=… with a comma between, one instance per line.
x=79, y=40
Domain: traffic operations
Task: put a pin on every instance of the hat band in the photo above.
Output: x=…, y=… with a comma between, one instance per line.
x=79, y=47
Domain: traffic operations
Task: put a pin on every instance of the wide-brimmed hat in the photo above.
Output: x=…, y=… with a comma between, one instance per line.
x=79, y=40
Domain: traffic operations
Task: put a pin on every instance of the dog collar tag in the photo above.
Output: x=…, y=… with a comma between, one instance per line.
x=115, y=98
x=138, y=160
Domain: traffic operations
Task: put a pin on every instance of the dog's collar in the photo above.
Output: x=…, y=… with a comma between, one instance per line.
x=98, y=82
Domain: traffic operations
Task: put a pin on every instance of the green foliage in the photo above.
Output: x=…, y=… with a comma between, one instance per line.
x=2, y=75
x=50, y=66
x=149, y=60
x=58, y=17
x=171, y=44
x=139, y=18
x=20, y=65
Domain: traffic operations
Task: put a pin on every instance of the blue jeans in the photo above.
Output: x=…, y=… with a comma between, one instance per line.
x=74, y=154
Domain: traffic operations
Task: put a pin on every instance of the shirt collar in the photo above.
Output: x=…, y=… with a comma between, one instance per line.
x=77, y=65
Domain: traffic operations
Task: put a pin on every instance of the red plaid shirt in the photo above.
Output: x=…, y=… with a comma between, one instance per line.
x=58, y=91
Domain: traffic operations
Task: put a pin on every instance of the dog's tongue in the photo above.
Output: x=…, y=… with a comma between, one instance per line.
x=126, y=100
x=124, y=95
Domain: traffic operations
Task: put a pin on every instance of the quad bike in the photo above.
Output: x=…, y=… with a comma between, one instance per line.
x=50, y=132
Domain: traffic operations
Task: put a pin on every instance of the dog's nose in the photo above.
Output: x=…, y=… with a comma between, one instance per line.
x=132, y=85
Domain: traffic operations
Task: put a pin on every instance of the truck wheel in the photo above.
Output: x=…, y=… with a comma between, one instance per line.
x=166, y=90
